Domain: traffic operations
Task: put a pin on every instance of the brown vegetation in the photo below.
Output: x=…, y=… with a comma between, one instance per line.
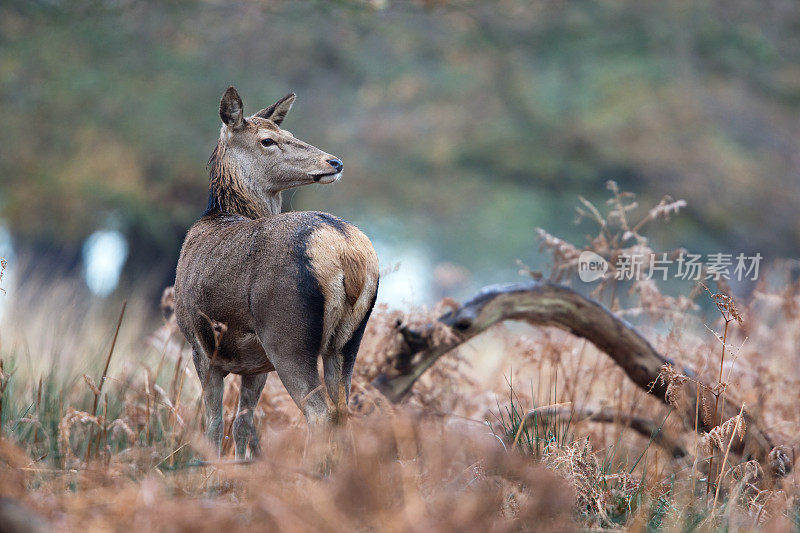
x=519, y=428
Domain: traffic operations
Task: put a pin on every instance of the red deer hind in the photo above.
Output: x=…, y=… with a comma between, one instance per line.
x=289, y=287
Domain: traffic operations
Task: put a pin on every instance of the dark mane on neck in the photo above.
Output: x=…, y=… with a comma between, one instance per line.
x=225, y=191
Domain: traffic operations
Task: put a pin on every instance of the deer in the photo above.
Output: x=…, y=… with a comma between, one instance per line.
x=259, y=290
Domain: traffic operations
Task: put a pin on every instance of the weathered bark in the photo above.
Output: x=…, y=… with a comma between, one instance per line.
x=548, y=304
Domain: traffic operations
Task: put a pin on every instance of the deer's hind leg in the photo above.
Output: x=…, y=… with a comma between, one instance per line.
x=244, y=432
x=298, y=372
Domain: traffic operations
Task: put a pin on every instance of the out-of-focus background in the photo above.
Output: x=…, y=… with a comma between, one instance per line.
x=463, y=126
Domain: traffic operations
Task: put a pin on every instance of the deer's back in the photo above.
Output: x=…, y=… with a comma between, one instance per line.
x=307, y=277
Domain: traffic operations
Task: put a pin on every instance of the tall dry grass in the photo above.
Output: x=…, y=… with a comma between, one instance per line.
x=111, y=439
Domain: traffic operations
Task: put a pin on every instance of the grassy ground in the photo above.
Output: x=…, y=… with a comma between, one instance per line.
x=111, y=440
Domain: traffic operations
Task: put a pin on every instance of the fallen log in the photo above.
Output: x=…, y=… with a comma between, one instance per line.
x=549, y=304
x=645, y=427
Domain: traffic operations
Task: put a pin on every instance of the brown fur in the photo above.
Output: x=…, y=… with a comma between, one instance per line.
x=357, y=264
x=289, y=287
x=227, y=189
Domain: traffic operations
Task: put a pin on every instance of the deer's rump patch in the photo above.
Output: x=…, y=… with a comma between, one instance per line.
x=345, y=269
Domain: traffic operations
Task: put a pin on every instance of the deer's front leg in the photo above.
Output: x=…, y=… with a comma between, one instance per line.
x=212, y=381
x=244, y=433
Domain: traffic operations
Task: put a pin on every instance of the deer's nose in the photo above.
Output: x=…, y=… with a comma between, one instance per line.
x=336, y=164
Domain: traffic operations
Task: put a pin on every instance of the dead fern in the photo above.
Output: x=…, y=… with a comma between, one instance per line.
x=675, y=383
x=622, y=245
x=719, y=436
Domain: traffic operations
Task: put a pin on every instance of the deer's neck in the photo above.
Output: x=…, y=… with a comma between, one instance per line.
x=227, y=192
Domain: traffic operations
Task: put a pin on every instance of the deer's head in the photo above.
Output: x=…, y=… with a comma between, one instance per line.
x=255, y=159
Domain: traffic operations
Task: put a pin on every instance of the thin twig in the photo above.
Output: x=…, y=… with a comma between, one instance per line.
x=103, y=378
x=110, y=353
x=179, y=448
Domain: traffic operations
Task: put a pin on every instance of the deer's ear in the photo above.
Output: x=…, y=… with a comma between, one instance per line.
x=278, y=111
x=231, y=109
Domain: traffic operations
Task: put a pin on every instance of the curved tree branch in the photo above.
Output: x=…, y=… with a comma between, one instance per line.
x=549, y=304
x=645, y=427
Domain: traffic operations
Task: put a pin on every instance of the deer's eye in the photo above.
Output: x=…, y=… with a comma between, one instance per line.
x=267, y=142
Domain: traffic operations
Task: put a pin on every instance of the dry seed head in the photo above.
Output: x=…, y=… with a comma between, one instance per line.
x=705, y=408
x=565, y=255
x=666, y=207
x=70, y=419
x=675, y=384
x=119, y=426
x=551, y=242
x=621, y=203
x=91, y=385
x=726, y=305
x=591, y=212
x=162, y=396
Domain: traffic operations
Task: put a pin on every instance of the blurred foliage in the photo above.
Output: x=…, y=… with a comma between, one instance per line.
x=462, y=124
